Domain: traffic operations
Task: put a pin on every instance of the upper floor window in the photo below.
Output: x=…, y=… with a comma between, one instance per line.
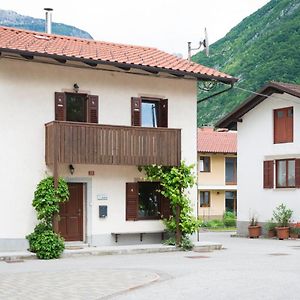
x=204, y=164
x=285, y=173
x=76, y=107
x=283, y=125
x=230, y=170
x=149, y=112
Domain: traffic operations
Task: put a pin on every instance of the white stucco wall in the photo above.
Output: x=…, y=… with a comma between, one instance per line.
x=255, y=144
x=27, y=103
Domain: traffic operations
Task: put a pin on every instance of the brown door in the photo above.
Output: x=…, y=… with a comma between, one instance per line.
x=70, y=225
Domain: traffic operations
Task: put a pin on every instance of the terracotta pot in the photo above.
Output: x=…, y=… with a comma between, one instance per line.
x=254, y=231
x=271, y=233
x=293, y=235
x=283, y=233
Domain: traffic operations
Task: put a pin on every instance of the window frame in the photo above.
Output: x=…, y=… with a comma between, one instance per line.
x=157, y=108
x=276, y=137
x=158, y=217
x=286, y=175
x=209, y=199
x=234, y=182
x=203, y=157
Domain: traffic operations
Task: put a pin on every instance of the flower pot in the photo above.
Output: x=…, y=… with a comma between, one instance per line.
x=283, y=233
x=271, y=233
x=254, y=231
x=293, y=235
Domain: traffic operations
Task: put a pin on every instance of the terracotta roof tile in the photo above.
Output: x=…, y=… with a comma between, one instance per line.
x=211, y=141
x=37, y=43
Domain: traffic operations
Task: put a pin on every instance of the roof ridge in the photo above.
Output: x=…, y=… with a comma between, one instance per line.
x=14, y=29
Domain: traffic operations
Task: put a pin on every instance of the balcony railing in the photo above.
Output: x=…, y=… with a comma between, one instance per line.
x=86, y=143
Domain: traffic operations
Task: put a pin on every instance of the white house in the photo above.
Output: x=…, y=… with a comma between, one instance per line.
x=268, y=152
x=92, y=112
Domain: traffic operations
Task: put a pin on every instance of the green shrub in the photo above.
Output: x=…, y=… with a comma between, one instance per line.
x=212, y=224
x=282, y=215
x=270, y=225
x=186, y=244
x=170, y=241
x=229, y=219
x=33, y=237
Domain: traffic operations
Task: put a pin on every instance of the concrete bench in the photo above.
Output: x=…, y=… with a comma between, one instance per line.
x=116, y=234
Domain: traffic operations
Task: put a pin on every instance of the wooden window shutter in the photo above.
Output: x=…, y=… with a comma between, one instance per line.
x=163, y=113
x=132, y=200
x=165, y=207
x=92, y=108
x=136, y=111
x=60, y=106
x=297, y=173
x=268, y=174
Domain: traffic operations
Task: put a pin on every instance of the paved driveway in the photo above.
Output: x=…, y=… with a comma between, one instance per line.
x=245, y=269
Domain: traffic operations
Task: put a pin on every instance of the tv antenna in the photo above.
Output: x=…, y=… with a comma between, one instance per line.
x=203, y=43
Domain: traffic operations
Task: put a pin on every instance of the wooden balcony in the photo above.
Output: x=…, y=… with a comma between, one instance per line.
x=86, y=143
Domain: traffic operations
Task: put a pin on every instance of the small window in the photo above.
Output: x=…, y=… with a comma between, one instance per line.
x=285, y=173
x=149, y=113
x=149, y=200
x=76, y=107
x=204, y=199
x=283, y=125
x=204, y=164
x=230, y=170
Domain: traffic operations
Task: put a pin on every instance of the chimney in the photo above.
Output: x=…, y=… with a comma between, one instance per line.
x=48, y=21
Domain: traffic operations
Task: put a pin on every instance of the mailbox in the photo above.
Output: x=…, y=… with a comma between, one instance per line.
x=102, y=211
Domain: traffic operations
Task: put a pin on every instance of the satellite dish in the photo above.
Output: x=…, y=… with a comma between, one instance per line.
x=206, y=43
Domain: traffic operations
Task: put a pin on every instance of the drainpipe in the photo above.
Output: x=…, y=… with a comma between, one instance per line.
x=48, y=20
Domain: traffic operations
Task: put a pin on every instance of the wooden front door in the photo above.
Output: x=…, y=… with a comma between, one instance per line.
x=70, y=225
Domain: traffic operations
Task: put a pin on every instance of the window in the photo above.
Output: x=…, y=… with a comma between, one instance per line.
x=76, y=107
x=204, y=164
x=149, y=200
x=149, y=112
x=285, y=173
x=145, y=202
x=283, y=125
x=230, y=201
x=230, y=170
x=204, y=199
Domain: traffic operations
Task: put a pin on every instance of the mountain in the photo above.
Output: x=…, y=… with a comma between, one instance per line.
x=265, y=46
x=12, y=19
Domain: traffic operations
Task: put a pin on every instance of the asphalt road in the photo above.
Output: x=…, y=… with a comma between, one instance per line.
x=245, y=269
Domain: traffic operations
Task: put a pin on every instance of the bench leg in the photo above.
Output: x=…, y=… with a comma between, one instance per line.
x=116, y=238
x=141, y=237
x=162, y=236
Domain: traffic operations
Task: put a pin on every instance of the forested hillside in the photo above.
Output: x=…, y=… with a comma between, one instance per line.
x=265, y=46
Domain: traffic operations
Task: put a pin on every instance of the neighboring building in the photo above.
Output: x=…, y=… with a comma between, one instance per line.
x=92, y=112
x=217, y=180
x=268, y=152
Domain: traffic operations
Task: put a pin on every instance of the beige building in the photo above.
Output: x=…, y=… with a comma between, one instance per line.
x=217, y=169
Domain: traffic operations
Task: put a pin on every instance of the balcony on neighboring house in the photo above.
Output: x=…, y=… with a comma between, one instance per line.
x=88, y=143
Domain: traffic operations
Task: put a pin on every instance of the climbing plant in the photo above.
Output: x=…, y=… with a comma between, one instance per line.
x=174, y=182
x=43, y=240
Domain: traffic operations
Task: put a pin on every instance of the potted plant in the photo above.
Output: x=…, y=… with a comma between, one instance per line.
x=271, y=228
x=254, y=230
x=294, y=232
x=282, y=215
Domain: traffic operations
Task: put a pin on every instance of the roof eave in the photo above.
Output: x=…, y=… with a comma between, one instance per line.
x=151, y=69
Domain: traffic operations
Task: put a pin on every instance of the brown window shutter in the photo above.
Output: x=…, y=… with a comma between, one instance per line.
x=297, y=173
x=60, y=106
x=163, y=113
x=268, y=174
x=92, y=108
x=132, y=200
x=165, y=207
x=136, y=111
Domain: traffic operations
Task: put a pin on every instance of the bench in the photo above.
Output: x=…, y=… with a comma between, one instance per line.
x=116, y=234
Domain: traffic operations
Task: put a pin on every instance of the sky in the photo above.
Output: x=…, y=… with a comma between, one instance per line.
x=164, y=24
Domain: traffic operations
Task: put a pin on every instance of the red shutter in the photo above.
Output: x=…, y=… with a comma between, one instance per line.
x=132, y=200
x=268, y=174
x=163, y=113
x=136, y=111
x=297, y=173
x=289, y=123
x=92, y=108
x=165, y=207
x=60, y=106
